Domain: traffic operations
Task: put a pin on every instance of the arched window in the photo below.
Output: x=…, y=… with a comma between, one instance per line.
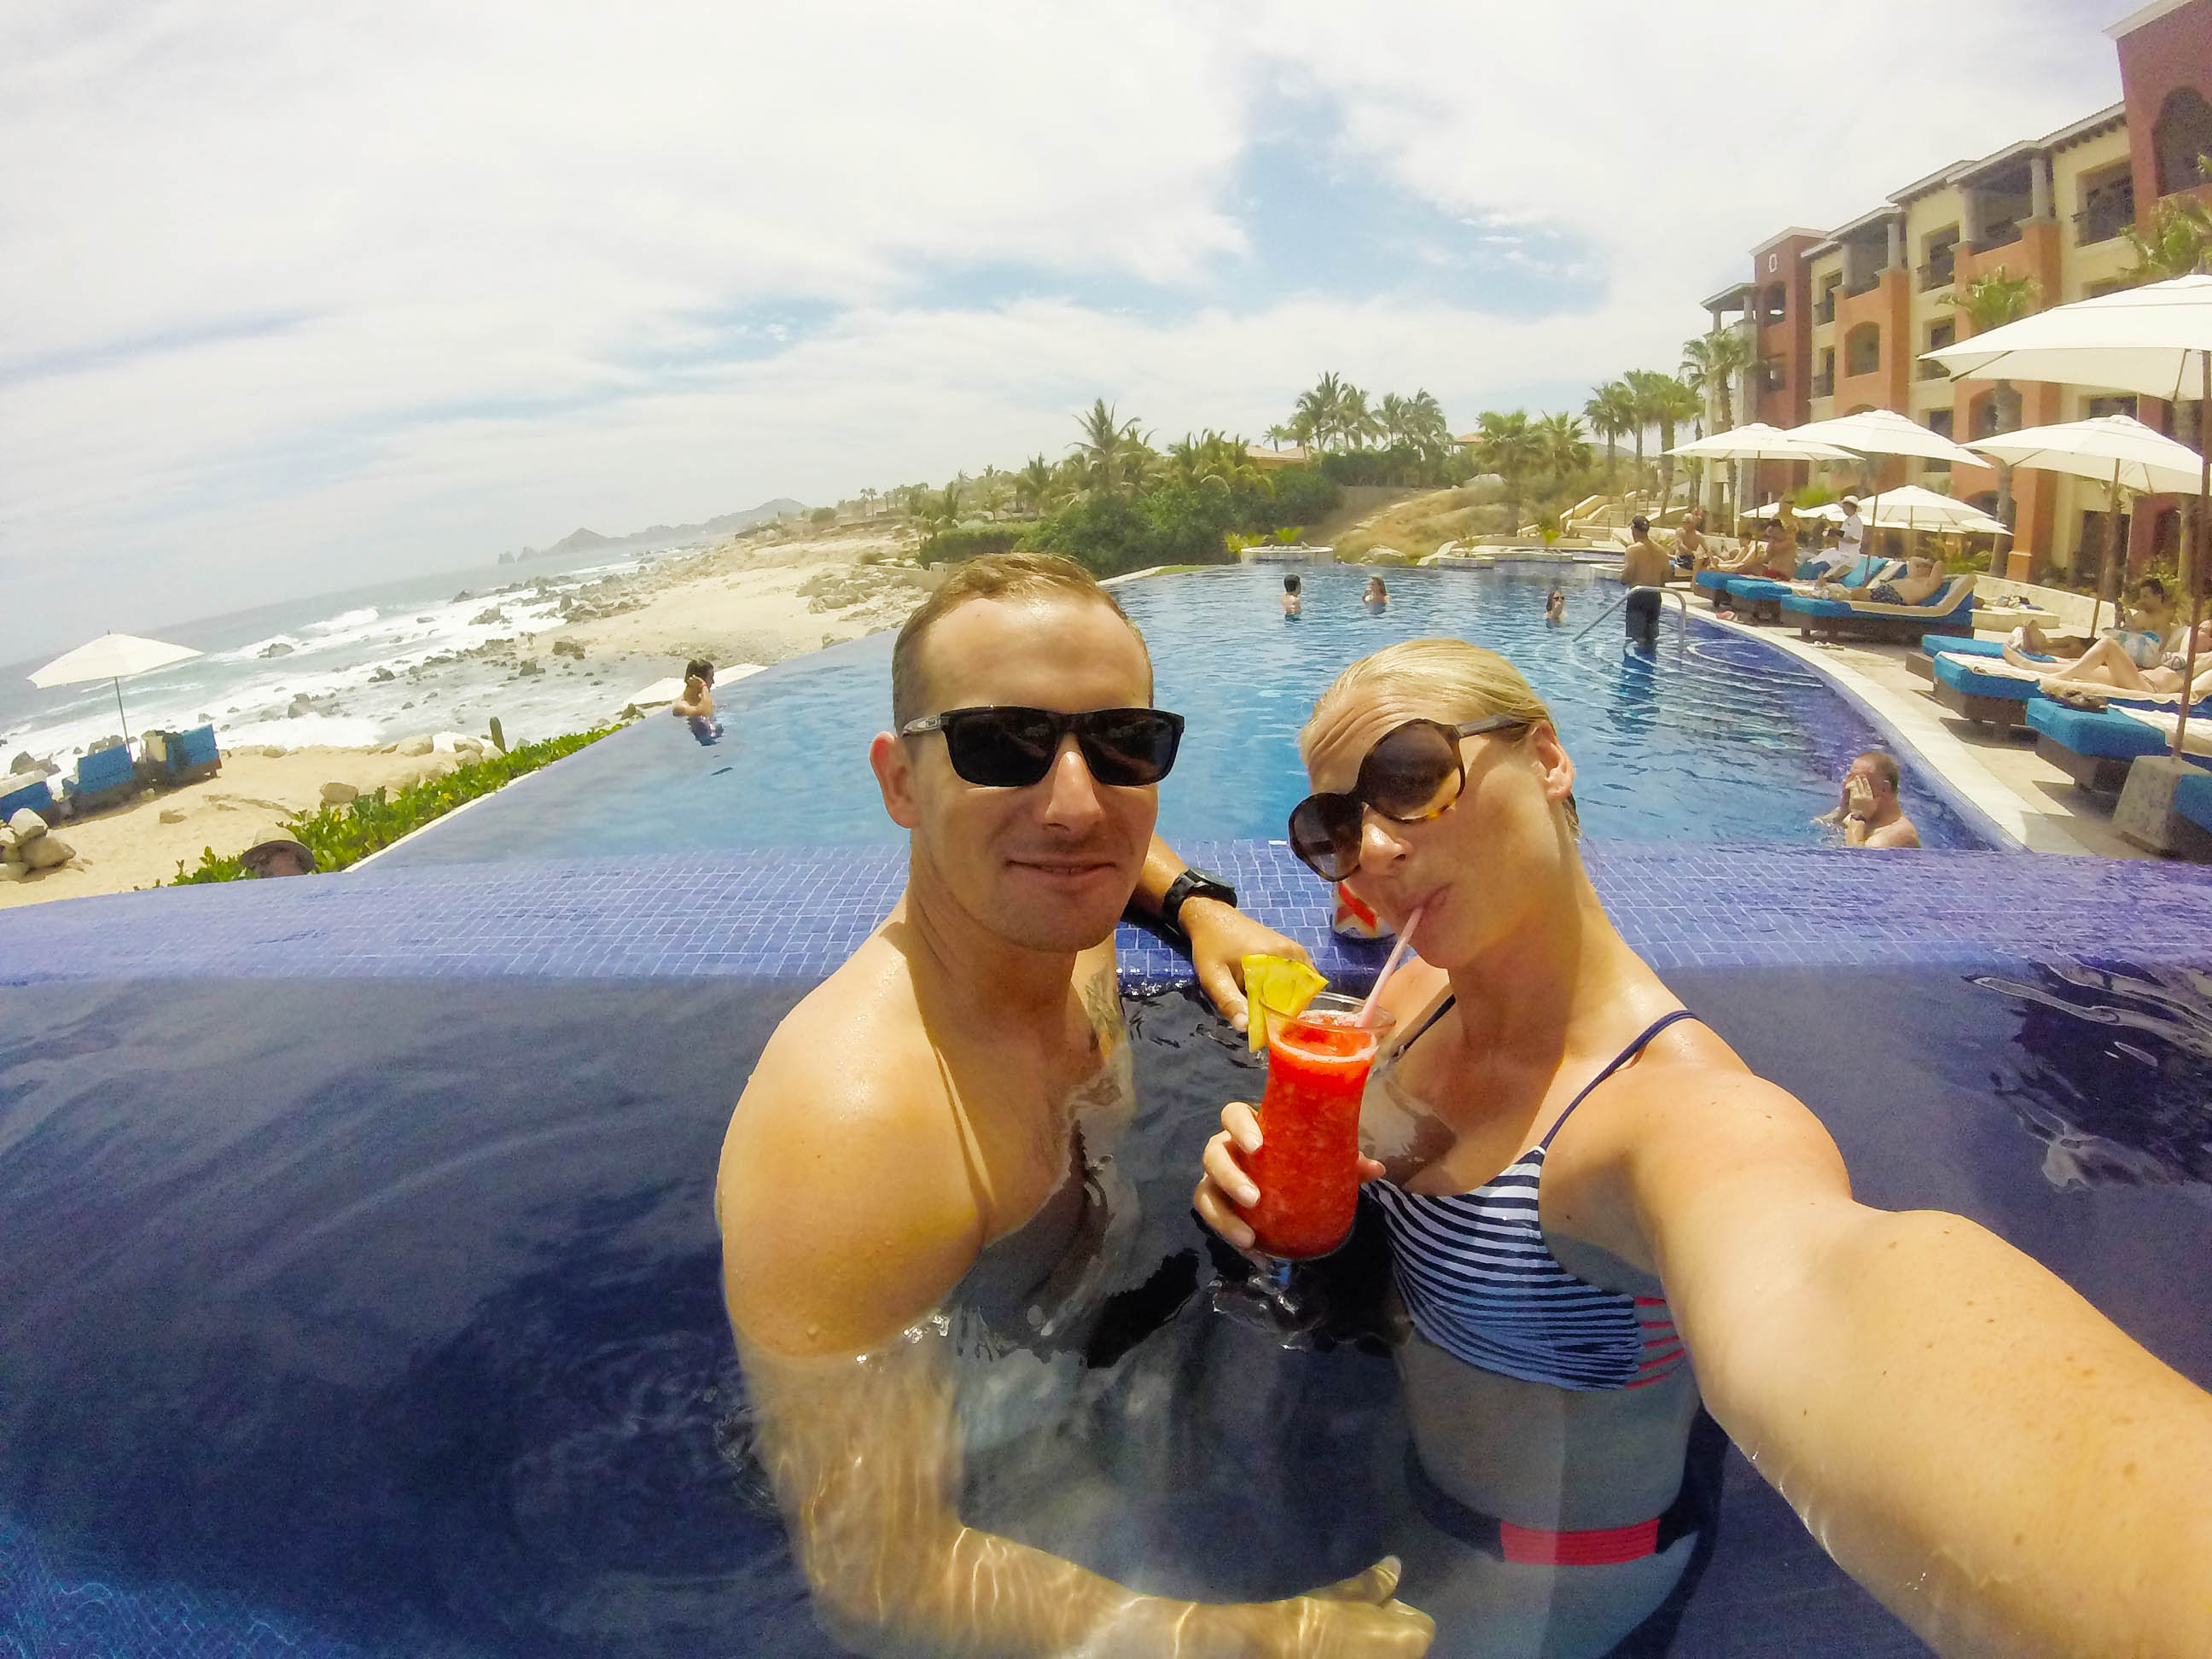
x=1862, y=349
x=1778, y=303
x=2183, y=133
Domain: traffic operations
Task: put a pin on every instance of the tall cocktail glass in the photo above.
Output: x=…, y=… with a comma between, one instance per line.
x=1307, y=1167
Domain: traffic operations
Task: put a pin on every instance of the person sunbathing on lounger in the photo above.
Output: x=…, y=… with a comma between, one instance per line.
x=1923, y=579
x=2106, y=667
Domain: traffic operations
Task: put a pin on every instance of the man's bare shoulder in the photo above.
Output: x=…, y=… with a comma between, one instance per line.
x=844, y=1198
x=1901, y=833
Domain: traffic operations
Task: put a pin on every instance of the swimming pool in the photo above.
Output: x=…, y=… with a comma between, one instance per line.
x=1726, y=741
x=363, y=1293
x=364, y=1289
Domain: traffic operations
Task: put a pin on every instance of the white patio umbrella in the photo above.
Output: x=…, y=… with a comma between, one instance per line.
x=1911, y=507
x=113, y=657
x=2155, y=340
x=1758, y=441
x=1884, y=432
x=2118, y=451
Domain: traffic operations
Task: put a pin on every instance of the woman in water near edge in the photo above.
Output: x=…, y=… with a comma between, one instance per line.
x=1998, y=1463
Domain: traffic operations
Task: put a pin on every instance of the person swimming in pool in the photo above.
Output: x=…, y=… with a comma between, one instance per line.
x=1293, y=601
x=1376, y=597
x=913, y=1193
x=1555, y=606
x=1598, y=1216
x=696, y=704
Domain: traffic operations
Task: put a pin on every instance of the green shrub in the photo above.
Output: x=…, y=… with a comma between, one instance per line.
x=340, y=836
x=969, y=541
x=822, y=514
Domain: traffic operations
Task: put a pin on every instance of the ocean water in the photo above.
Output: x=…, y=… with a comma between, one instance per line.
x=329, y=647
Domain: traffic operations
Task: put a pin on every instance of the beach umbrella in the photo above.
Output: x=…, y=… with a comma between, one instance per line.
x=1884, y=432
x=1911, y=507
x=2155, y=340
x=114, y=657
x=2118, y=451
x=1757, y=441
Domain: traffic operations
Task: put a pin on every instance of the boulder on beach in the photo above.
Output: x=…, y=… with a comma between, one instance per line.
x=276, y=648
x=490, y=618
x=23, y=763
x=14, y=872
x=173, y=815
x=275, y=751
x=47, y=853
x=417, y=746
x=380, y=676
x=339, y=794
x=26, y=826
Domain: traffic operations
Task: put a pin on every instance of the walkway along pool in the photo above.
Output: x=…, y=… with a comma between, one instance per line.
x=364, y=1289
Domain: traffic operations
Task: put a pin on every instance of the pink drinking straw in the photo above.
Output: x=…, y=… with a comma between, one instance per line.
x=1366, y=1017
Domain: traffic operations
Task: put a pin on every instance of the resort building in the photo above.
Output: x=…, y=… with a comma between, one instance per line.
x=1839, y=318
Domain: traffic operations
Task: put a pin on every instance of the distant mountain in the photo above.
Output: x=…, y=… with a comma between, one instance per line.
x=585, y=541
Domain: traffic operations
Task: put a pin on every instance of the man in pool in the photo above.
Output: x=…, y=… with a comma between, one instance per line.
x=1645, y=568
x=696, y=705
x=1293, y=602
x=1869, y=813
x=913, y=1189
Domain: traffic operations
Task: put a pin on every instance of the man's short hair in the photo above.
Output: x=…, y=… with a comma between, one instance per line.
x=1885, y=767
x=1639, y=526
x=699, y=668
x=995, y=576
x=1291, y=583
x=2151, y=585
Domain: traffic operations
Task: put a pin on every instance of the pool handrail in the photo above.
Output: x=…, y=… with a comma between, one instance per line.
x=1681, y=633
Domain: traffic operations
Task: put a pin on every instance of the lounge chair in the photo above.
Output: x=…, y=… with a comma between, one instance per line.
x=171, y=758
x=34, y=795
x=106, y=777
x=2192, y=804
x=1922, y=660
x=1950, y=610
x=2096, y=748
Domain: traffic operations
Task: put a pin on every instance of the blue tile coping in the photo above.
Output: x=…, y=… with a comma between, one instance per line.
x=797, y=915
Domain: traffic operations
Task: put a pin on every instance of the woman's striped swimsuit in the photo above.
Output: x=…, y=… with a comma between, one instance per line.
x=1478, y=1281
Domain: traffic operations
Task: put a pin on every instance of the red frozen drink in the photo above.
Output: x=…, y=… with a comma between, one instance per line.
x=1307, y=1168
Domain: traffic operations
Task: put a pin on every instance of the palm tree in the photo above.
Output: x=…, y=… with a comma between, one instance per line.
x=1647, y=390
x=1991, y=301
x=1109, y=449
x=1611, y=412
x=2178, y=244
x=1425, y=426
x=1279, y=435
x=1396, y=415
x=1672, y=400
x=1566, y=446
x=1713, y=360
x=1319, y=410
x=1508, y=446
x=1033, y=484
x=1355, y=423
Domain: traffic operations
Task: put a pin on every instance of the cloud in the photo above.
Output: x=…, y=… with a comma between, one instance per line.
x=293, y=296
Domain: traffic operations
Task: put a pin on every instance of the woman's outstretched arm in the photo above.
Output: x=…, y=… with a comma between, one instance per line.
x=1992, y=1457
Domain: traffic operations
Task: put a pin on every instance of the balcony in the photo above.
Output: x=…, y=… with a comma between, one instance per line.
x=1863, y=285
x=2004, y=235
x=1825, y=311
x=1824, y=385
x=1939, y=273
x=2102, y=222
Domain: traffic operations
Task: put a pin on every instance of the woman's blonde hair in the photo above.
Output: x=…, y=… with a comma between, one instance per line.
x=1458, y=681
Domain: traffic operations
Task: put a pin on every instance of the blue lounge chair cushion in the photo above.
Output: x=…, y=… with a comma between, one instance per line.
x=2101, y=734
x=34, y=795
x=194, y=748
x=2192, y=798
x=1713, y=581
x=1809, y=569
x=104, y=770
x=1757, y=587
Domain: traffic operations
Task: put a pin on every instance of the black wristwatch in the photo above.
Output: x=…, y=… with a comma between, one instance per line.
x=1193, y=882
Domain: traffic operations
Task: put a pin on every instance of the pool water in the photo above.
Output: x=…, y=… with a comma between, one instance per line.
x=1716, y=738
x=331, y=1329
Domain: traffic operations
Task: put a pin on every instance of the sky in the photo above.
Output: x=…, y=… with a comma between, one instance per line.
x=293, y=298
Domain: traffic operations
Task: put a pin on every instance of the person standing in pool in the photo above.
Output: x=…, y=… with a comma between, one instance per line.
x=1292, y=602
x=1555, y=607
x=910, y=1191
x=1598, y=1214
x=696, y=705
x=1644, y=570
x=1377, y=597
x=1869, y=813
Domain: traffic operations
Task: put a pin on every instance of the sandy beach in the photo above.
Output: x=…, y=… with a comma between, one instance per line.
x=752, y=599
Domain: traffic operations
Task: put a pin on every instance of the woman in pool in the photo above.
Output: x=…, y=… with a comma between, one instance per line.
x=1598, y=1215
x=1377, y=597
x=1292, y=604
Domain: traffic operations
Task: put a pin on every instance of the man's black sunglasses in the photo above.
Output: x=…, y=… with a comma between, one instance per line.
x=1011, y=748
x=1412, y=774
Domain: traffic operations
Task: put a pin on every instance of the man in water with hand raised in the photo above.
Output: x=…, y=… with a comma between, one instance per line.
x=911, y=1191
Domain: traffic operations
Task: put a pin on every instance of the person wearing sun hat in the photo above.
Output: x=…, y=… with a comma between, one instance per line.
x=277, y=852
